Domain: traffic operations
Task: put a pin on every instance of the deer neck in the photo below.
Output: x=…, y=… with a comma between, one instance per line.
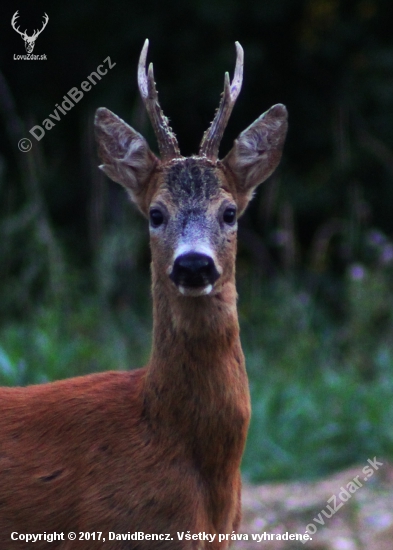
x=196, y=384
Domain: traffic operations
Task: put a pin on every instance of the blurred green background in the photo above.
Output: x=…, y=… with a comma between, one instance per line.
x=315, y=258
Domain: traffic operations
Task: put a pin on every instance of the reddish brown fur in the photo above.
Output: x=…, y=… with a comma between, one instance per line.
x=158, y=449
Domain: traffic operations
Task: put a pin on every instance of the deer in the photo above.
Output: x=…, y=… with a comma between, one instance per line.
x=29, y=40
x=150, y=458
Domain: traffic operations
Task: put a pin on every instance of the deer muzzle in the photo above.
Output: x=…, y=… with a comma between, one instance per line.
x=194, y=273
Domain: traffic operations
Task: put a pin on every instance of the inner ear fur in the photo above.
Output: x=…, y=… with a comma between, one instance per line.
x=257, y=152
x=126, y=157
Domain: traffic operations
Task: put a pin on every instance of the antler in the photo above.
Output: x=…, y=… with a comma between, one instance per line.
x=213, y=135
x=167, y=142
x=13, y=22
x=24, y=34
x=36, y=33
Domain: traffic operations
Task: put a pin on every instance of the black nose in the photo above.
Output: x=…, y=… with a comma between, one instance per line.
x=194, y=270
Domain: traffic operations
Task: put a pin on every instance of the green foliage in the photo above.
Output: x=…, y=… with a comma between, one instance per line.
x=310, y=425
x=316, y=407
x=79, y=339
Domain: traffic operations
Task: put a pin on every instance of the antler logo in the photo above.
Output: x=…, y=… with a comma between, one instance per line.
x=29, y=40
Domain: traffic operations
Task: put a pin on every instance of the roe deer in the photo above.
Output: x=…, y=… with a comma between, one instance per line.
x=155, y=450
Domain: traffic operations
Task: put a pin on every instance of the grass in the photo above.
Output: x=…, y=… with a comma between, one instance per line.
x=309, y=424
x=63, y=343
x=321, y=387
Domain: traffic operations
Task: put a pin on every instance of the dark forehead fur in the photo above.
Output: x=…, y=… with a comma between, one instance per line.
x=192, y=179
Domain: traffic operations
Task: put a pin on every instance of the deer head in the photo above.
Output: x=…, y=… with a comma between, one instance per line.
x=192, y=203
x=29, y=40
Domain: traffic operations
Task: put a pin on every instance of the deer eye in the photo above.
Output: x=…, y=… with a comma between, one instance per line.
x=229, y=215
x=156, y=217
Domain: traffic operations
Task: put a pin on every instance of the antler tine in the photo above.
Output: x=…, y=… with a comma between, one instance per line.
x=167, y=142
x=13, y=23
x=213, y=135
x=37, y=32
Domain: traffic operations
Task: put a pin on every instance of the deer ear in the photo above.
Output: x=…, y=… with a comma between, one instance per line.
x=126, y=156
x=257, y=152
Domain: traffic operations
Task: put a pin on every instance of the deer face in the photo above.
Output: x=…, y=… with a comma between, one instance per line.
x=29, y=44
x=192, y=203
x=193, y=223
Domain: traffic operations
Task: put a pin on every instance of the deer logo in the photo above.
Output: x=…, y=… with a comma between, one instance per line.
x=29, y=40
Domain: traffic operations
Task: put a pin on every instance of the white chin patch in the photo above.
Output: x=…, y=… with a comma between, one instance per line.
x=189, y=291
